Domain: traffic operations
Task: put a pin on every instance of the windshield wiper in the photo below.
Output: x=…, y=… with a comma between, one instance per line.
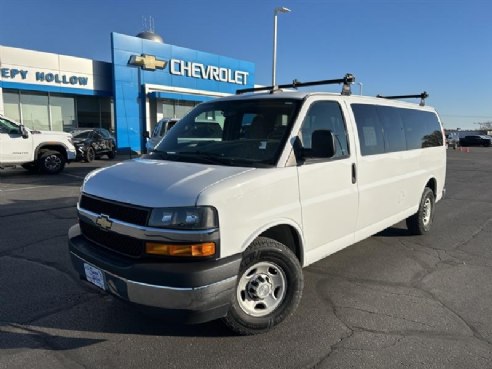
x=208, y=158
x=203, y=156
x=189, y=156
x=232, y=161
x=163, y=154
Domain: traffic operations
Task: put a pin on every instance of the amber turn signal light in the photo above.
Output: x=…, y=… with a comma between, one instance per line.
x=199, y=249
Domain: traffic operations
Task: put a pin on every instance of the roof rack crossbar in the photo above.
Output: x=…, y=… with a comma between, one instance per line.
x=347, y=80
x=424, y=95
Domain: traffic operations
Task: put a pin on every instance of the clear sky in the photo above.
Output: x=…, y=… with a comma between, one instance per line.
x=392, y=46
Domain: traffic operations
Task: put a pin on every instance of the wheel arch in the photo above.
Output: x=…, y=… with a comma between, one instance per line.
x=286, y=233
x=432, y=184
x=51, y=147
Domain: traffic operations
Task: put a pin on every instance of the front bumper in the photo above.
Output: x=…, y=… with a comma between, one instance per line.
x=80, y=152
x=71, y=155
x=192, y=292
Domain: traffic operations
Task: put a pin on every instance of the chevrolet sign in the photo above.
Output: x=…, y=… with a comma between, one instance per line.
x=147, y=62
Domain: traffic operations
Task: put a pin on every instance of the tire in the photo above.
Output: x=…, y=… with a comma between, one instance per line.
x=51, y=162
x=268, y=289
x=112, y=154
x=90, y=154
x=421, y=222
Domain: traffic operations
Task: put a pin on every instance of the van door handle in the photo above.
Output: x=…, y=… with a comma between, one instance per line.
x=354, y=173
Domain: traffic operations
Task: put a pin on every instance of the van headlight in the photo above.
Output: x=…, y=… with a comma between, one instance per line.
x=185, y=218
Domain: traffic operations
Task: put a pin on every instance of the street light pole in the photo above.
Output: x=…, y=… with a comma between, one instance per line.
x=274, y=66
x=360, y=87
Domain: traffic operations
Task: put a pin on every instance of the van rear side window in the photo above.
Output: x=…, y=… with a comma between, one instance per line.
x=384, y=129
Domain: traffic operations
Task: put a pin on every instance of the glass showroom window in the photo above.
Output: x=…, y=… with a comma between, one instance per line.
x=177, y=108
x=35, y=111
x=184, y=107
x=62, y=113
x=11, y=105
x=106, y=113
x=168, y=109
x=88, y=112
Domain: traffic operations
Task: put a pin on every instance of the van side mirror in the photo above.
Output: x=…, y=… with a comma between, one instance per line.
x=146, y=134
x=322, y=144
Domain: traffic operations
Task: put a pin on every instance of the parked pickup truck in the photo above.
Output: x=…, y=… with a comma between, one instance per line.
x=44, y=151
x=476, y=140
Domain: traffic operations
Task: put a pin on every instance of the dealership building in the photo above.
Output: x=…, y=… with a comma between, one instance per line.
x=146, y=81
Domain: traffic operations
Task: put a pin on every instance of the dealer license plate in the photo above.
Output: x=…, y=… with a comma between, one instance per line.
x=95, y=276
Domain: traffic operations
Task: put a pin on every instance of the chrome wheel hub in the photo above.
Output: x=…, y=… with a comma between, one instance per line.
x=261, y=289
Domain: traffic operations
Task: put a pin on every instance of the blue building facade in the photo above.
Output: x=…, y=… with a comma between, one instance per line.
x=153, y=80
x=146, y=81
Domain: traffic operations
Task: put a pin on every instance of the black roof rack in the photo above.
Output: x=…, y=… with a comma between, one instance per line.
x=424, y=95
x=347, y=80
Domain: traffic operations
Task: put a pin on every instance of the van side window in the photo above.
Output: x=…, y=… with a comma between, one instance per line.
x=163, y=129
x=421, y=129
x=325, y=115
x=155, y=132
x=393, y=129
x=369, y=129
x=388, y=129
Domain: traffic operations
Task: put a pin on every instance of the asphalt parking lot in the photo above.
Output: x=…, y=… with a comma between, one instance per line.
x=391, y=301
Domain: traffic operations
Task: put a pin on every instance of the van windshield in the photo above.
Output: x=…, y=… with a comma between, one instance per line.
x=238, y=133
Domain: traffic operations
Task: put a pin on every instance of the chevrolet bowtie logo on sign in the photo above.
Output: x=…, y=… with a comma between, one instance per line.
x=103, y=222
x=147, y=62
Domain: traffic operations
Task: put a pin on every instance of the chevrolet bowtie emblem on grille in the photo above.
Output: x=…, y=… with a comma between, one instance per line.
x=103, y=222
x=147, y=62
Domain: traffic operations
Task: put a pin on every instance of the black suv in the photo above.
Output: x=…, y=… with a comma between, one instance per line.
x=476, y=140
x=91, y=143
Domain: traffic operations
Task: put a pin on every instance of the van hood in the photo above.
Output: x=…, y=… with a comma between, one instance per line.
x=156, y=183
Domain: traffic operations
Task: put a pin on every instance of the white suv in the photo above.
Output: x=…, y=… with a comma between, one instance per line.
x=46, y=151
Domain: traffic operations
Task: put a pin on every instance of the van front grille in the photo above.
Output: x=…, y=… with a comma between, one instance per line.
x=116, y=242
x=124, y=212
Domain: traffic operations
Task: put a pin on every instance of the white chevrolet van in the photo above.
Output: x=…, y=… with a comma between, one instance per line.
x=206, y=227
x=161, y=128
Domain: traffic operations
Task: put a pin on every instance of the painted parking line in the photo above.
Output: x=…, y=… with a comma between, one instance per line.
x=23, y=188
x=73, y=176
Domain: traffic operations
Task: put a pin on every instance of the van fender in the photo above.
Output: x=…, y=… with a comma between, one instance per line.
x=278, y=222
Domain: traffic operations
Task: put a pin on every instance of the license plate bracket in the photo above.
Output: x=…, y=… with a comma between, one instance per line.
x=95, y=276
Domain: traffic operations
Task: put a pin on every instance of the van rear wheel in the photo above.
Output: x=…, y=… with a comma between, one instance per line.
x=421, y=222
x=268, y=289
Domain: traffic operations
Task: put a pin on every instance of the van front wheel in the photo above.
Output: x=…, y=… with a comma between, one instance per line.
x=421, y=222
x=268, y=289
